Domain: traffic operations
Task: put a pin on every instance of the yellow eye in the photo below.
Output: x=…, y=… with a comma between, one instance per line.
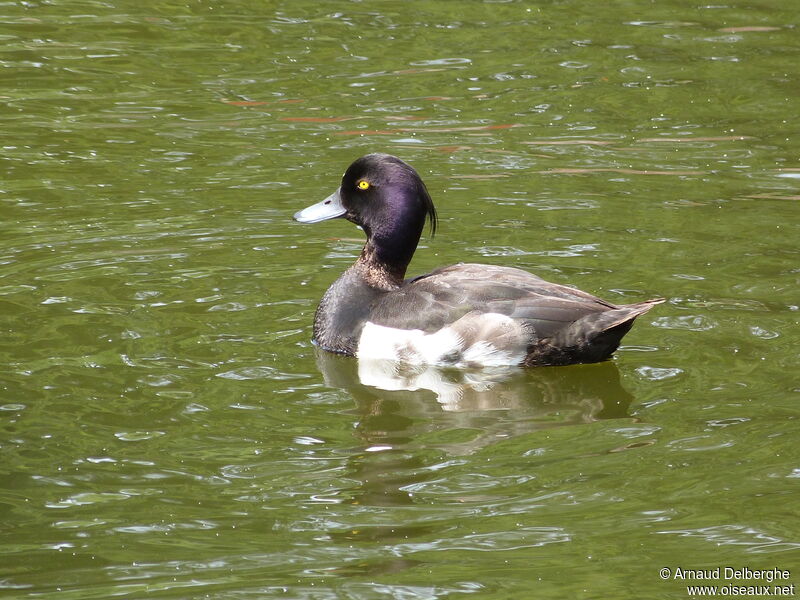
x=363, y=184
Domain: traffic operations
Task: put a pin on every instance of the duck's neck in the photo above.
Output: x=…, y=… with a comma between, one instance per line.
x=377, y=271
x=388, y=252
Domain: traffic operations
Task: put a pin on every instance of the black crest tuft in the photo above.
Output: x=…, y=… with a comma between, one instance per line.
x=427, y=202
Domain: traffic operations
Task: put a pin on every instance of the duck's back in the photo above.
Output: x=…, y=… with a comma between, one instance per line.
x=490, y=315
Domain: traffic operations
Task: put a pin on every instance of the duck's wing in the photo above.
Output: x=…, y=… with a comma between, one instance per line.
x=442, y=297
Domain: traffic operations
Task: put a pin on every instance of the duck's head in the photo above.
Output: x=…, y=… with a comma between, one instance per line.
x=387, y=198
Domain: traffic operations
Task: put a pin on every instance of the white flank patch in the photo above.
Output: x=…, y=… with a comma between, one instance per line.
x=486, y=355
x=409, y=345
x=444, y=347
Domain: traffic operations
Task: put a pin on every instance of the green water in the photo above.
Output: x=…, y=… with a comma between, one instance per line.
x=168, y=431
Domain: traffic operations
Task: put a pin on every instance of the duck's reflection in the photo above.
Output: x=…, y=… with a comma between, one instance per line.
x=593, y=389
x=398, y=402
x=417, y=427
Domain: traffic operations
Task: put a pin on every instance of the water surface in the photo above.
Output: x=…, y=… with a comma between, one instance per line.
x=169, y=431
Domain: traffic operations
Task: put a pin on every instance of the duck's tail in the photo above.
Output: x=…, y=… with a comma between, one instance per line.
x=618, y=317
x=602, y=333
x=595, y=337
